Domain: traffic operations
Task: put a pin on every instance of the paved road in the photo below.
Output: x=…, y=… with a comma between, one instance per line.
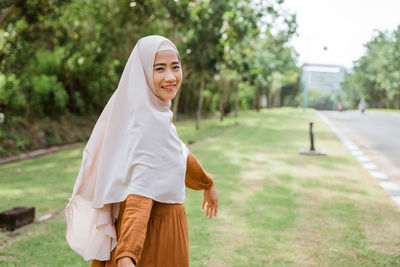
x=377, y=135
x=379, y=131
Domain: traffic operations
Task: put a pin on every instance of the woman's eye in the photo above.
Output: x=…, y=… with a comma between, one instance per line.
x=159, y=69
x=177, y=67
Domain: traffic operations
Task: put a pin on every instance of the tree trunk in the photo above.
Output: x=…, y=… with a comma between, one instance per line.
x=178, y=94
x=188, y=106
x=270, y=99
x=175, y=35
x=397, y=101
x=177, y=97
x=221, y=90
x=175, y=105
x=281, y=99
x=236, y=84
x=258, y=99
x=201, y=98
x=6, y=14
x=186, y=102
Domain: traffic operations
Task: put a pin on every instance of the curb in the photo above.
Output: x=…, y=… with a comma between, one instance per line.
x=39, y=152
x=382, y=178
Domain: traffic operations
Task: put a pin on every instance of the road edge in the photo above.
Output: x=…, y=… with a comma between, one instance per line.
x=382, y=178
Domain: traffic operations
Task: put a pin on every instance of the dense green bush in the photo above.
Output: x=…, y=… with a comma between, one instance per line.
x=48, y=62
x=49, y=95
x=12, y=98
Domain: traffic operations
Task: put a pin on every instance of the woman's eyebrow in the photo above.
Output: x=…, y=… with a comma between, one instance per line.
x=165, y=64
x=159, y=64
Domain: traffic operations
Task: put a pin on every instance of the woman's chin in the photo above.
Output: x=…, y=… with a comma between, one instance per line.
x=168, y=95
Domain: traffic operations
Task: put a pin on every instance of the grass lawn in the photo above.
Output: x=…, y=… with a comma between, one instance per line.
x=277, y=207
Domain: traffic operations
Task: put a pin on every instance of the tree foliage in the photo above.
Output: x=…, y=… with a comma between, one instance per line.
x=60, y=56
x=376, y=75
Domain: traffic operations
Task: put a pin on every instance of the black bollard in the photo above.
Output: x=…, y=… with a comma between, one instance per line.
x=312, y=148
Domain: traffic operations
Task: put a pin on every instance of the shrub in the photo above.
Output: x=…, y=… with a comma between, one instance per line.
x=49, y=95
x=12, y=97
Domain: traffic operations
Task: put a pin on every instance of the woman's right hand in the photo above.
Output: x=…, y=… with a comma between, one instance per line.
x=210, y=197
x=125, y=262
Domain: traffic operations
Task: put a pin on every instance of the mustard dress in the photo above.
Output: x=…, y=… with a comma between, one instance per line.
x=155, y=234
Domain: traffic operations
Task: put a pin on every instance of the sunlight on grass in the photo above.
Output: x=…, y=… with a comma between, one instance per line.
x=277, y=207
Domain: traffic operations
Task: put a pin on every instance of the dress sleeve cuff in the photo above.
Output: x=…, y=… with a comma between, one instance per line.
x=196, y=177
x=209, y=185
x=126, y=254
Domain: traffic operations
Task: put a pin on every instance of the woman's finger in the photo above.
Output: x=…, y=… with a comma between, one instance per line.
x=204, y=202
x=216, y=211
x=213, y=211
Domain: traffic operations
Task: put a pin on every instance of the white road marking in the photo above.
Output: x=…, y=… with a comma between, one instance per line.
x=370, y=166
x=390, y=187
x=363, y=159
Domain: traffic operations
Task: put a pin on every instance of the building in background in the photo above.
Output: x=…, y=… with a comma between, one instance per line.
x=323, y=77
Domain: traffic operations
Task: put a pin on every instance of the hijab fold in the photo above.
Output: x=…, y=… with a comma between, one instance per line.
x=133, y=149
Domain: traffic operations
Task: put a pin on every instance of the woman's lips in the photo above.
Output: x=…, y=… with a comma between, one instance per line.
x=168, y=87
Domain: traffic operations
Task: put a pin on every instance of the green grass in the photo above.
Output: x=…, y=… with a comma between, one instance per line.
x=277, y=207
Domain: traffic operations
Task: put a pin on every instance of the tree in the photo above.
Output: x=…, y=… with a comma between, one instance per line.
x=376, y=75
x=80, y=48
x=206, y=51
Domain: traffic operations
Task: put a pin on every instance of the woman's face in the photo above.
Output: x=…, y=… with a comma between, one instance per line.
x=167, y=74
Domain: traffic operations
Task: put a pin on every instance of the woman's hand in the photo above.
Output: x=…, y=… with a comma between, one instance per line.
x=210, y=197
x=125, y=262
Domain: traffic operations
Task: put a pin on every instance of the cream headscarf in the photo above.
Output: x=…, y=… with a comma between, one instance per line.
x=134, y=149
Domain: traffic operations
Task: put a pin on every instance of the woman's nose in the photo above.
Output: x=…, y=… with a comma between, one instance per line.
x=170, y=76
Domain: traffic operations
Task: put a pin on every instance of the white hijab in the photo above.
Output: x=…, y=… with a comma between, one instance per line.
x=134, y=149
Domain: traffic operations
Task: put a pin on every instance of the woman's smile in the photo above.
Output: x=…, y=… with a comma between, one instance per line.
x=168, y=87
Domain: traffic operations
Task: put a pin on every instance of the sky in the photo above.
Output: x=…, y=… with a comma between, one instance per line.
x=341, y=26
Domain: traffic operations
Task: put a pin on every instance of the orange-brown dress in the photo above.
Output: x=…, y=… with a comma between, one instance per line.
x=155, y=234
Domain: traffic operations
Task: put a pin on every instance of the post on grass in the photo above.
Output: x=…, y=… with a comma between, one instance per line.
x=312, y=150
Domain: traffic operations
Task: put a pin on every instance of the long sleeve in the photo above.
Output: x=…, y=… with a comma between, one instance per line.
x=196, y=177
x=97, y=263
x=133, y=227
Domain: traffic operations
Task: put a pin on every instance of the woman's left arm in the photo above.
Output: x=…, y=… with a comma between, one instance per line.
x=197, y=178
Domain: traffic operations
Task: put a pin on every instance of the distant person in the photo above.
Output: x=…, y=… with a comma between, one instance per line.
x=127, y=207
x=361, y=105
x=340, y=106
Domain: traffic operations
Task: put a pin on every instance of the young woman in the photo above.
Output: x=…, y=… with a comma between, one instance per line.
x=127, y=207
